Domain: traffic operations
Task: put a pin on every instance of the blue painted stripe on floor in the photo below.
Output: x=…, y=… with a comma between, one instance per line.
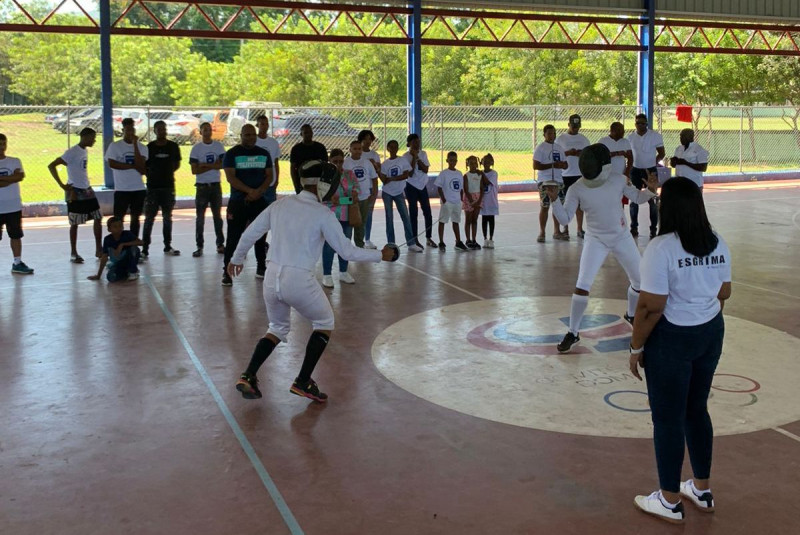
x=269, y=484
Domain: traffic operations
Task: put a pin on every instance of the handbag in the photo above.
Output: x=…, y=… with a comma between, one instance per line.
x=354, y=215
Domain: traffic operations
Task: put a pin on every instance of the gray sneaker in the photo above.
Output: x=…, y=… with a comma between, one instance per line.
x=21, y=269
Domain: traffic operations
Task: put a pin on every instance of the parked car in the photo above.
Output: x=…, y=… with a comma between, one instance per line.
x=124, y=113
x=246, y=112
x=93, y=120
x=180, y=127
x=330, y=131
x=219, y=125
x=50, y=117
x=143, y=125
x=61, y=124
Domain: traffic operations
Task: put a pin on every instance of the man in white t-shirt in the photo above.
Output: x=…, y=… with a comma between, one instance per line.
x=11, y=174
x=690, y=160
x=573, y=143
x=366, y=137
x=450, y=183
x=648, y=149
x=128, y=161
x=206, y=161
x=394, y=172
x=417, y=189
x=620, y=149
x=367, y=177
x=270, y=144
x=549, y=161
x=82, y=203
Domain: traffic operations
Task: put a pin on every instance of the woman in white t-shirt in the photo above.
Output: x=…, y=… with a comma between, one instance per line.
x=677, y=339
x=491, y=205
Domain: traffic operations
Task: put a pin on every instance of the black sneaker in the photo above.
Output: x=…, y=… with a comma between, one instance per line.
x=198, y=252
x=430, y=243
x=260, y=271
x=226, y=279
x=476, y=246
x=627, y=318
x=248, y=386
x=308, y=390
x=634, y=233
x=567, y=343
x=442, y=247
x=652, y=234
x=220, y=249
x=460, y=246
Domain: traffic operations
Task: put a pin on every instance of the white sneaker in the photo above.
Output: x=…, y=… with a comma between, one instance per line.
x=327, y=281
x=346, y=277
x=415, y=248
x=652, y=505
x=369, y=245
x=135, y=276
x=704, y=502
x=488, y=244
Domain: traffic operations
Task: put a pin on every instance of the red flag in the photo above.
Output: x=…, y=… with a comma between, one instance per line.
x=684, y=113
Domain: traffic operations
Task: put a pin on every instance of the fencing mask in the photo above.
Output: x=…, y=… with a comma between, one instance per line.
x=595, y=164
x=324, y=175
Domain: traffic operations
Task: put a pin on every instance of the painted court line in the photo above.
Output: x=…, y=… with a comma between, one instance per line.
x=767, y=290
x=476, y=296
x=786, y=433
x=269, y=484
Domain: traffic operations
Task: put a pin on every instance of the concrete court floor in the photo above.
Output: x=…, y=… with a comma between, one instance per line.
x=120, y=416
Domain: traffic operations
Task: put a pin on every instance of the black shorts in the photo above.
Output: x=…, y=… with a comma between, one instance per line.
x=568, y=181
x=13, y=224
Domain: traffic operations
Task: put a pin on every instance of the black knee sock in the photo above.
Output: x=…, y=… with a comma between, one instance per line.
x=263, y=349
x=491, y=226
x=316, y=345
x=484, y=225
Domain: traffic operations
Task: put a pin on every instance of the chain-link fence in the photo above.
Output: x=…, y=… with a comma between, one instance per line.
x=739, y=139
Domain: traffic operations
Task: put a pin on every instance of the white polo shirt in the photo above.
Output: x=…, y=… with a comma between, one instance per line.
x=691, y=283
x=364, y=172
x=300, y=226
x=548, y=153
x=568, y=142
x=10, y=200
x=126, y=179
x=644, y=147
x=694, y=154
x=618, y=163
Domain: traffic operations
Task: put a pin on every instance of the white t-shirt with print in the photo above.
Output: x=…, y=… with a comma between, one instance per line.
x=270, y=144
x=420, y=178
x=618, y=163
x=691, y=283
x=644, y=147
x=491, y=204
x=393, y=168
x=372, y=155
x=694, y=154
x=364, y=172
x=10, y=200
x=77, y=159
x=452, y=182
x=569, y=142
x=547, y=153
x=207, y=153
x=126, y=179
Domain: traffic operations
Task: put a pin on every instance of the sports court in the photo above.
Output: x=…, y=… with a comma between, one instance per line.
x=448, y=411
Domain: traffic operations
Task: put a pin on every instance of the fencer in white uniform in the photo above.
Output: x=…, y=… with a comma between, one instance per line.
x=300, y=225
x=599, y=194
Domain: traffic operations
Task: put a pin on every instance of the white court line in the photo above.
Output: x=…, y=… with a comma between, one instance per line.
x=794, y=219
x=786, y=433
x=476, y=296
x=767, y=290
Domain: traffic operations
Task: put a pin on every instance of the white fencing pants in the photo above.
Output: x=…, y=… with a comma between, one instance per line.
x=289, y=287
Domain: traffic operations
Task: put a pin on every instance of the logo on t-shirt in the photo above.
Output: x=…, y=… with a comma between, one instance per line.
x=251, y=162
x=359, y=172
x=556, y=156
x=84, y=162
x=210, y=158
x=395, y=171
x=455, y=184
x=129, y=158
x=5, y=172
x=711, y=260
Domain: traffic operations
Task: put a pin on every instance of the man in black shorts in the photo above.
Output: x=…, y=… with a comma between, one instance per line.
x=248, y=169
x=11, y=174
x=305, y=151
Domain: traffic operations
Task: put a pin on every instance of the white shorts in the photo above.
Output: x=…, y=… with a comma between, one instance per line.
x=450, y=212
x=288, y=287
x=595, y=253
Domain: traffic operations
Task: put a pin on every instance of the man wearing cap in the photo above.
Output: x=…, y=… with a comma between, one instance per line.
x=573, y=143
x=300, y=226
x=598, y=194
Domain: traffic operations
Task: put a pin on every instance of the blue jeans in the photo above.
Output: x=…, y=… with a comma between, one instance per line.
x=327, y=252
x=679, y=365
x=402, y=209
x=119, y=267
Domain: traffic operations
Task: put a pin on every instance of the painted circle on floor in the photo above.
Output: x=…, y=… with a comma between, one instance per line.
x=496, y=359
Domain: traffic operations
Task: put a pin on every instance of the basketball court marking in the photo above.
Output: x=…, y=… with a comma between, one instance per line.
x=786, y=433
x=476, y=296
x=269, y=484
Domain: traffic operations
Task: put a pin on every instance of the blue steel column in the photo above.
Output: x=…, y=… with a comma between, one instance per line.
x=105, y=84
x=647, y=60
x=414, y=68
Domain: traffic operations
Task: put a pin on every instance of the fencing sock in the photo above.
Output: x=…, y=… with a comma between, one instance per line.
x=633, y=300
x=263, y=349
x=576, y=310
x=316, y=345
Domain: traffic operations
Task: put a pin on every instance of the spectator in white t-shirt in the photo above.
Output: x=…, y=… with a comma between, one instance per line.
x=128, y=161
x=677, y=338
x=417, y=189
x=11, y=174
x=206, y=161
x=549, y=161
x=450, y=184
x=366, y=137
x=82, y=203
x=367, y=177
x=393, y=173
x=270, y=144
x=620, y=149
x=573, y=143
x=690, y=160
x=648, y=149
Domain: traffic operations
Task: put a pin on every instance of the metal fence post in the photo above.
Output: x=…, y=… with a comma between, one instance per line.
x=464, y=131
x=535, y=132
x=384, y=139
x=147, y=133
x=741, y=134
x=623, y=115
x=441, y=138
